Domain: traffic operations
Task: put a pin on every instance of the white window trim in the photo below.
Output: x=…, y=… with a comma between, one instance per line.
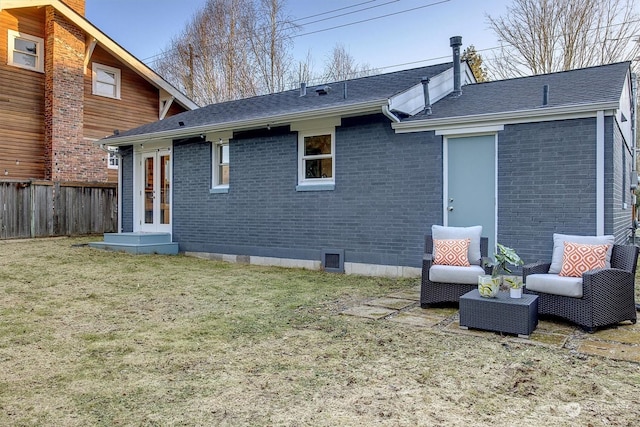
x=302, y=181
x=94, y=78
x=216, y=186
x=113, y=154
x=11, y=36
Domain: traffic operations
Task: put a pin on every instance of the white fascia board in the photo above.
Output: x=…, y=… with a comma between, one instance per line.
x=290, y=118
x=112, y=47
x=14, y=4
x=510, y=117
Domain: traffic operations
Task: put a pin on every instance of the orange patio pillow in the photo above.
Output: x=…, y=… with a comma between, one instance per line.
x=579, y=258
x=451, y=252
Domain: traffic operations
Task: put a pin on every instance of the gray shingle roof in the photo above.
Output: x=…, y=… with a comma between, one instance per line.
x=583, y=86
x=366, y=89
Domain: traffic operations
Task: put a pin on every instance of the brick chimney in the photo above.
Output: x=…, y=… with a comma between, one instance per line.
x=64, y=98
x=77, y=5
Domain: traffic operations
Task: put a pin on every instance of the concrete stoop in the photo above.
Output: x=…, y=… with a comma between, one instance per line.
x=138, y=243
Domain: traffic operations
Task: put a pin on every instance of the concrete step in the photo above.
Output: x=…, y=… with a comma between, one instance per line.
x=138, y=243
x=137, y=238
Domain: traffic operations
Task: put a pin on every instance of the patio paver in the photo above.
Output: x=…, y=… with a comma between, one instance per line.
x=392, y=303
x=621, y=342
x=369, y=312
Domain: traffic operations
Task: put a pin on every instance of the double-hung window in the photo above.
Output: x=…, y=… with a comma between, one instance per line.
x=220, y=169
x=25, y=51
x=316, y=161
x=106, y=81
x=316, y=154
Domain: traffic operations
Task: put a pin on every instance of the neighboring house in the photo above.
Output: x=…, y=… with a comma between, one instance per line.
x=351, y=175
x=64, y=85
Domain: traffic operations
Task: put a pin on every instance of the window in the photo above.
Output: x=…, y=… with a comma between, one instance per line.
x=316, y=154
x=106, y=81
x=25, y=51
x=113, y=157
x=220, y=163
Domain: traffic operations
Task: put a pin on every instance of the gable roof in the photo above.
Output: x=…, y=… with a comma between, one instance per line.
x=108, y=44
x=363, y=95
x=581, y=90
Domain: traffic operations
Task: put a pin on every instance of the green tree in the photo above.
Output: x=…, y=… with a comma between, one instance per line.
x=474, y=60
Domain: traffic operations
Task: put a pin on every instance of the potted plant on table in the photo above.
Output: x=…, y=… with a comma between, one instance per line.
x=508, y=256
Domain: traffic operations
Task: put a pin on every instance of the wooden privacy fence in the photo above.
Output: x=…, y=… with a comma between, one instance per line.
x=44, y=208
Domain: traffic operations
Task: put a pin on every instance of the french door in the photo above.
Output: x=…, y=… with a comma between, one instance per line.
x=154, y=191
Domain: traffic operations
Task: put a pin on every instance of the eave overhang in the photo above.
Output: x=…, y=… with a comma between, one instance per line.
x=254, y=123
x=510, y=117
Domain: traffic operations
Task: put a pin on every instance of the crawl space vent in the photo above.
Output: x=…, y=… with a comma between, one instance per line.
x=333, y=260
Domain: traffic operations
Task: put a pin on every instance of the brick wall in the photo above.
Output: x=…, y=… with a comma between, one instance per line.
x=126, y=164
x=619, y=160
x=547, y=184
x=68, y=156
x=77, y=5
x=387, y=195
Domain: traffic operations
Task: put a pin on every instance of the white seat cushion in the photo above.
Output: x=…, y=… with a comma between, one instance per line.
x=558, y=248
x=455, y=274
x=556, y=285
x=455, y=233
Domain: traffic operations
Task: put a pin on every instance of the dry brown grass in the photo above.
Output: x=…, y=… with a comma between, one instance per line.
x=97, y=338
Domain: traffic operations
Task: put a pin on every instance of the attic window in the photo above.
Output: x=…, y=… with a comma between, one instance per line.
x=25, y=51
x=106, y=81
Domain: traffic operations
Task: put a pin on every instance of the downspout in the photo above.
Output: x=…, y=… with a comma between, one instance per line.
x=389, y=114
x=600, y=173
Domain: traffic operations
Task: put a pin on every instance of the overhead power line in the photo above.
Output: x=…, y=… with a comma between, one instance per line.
x=371, y=19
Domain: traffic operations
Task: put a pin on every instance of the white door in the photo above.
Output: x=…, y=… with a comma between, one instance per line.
x=153, y=192
x=470, y=184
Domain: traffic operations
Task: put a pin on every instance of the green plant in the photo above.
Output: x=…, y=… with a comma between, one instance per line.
x=504, y=256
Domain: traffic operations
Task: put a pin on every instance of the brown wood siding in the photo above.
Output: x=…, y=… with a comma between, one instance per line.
x=175, y=109
x=21, y=102
x=22, y=115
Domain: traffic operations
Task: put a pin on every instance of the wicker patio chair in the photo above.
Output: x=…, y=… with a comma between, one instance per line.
x=607, y=293
x=438, y=292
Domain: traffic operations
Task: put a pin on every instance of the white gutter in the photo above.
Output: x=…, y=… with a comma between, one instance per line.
x=387, y=112
x=530, y=115
x=343, y=110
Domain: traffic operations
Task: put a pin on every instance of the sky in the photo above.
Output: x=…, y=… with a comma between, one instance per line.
x=413, y=33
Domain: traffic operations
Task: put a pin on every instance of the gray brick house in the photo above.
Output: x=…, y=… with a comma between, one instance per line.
x=349, y=176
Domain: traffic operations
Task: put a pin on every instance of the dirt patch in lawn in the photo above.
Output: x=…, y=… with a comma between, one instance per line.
x=99, y=338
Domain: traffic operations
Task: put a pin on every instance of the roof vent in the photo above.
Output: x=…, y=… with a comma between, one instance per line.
x=323, y=90
x=303, y=89
x=455, y=43
x=427, y=99
x=545, y=95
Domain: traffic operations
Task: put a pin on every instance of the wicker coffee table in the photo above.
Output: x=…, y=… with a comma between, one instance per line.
x=500, y=314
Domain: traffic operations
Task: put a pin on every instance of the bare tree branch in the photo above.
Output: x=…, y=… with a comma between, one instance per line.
x=544, y=36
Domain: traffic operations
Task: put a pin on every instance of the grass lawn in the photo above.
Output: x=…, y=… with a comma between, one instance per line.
x=93, y=338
